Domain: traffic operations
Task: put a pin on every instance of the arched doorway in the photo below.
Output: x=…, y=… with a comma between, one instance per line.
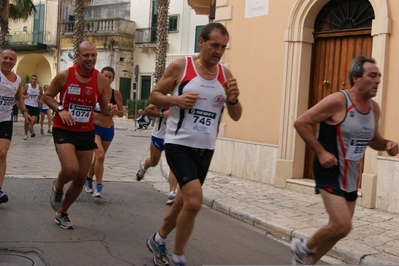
x=299, y=41
x=342, y=31
x=34, y=64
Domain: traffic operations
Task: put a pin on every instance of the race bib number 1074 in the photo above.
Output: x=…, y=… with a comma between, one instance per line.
x=80, y=113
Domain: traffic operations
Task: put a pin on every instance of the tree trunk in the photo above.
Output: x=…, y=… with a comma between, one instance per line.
x=4, y=29
x=4, y=14
x=162, y=38
x=79, y=25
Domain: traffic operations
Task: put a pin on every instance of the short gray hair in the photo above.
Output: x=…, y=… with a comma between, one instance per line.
x=357, y=69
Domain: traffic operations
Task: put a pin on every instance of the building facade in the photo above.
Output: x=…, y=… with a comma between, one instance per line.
x=295, y=52
x=109, y=27
x=123, y=31
x=184, y=27
x=35, y=42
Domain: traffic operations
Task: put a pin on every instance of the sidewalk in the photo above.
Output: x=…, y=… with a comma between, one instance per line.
x=284, y=213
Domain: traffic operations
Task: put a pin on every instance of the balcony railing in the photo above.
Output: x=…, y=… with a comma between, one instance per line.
x=172, y=57
x=30, y=37
x=113, y=25
x=146, y=35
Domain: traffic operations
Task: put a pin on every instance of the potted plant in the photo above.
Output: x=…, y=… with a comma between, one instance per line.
x=132, y=106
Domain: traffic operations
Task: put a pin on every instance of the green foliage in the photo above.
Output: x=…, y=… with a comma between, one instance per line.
x=110, y=43
x=21, y=9
x=131, y=106
x=26, y=79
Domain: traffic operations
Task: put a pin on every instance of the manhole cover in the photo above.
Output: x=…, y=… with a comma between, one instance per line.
x=20, y=259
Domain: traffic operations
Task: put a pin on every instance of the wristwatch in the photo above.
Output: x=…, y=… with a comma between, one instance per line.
x=161, y=113
x=60, y=108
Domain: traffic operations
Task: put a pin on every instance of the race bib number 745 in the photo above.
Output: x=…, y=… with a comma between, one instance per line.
x=200, y=120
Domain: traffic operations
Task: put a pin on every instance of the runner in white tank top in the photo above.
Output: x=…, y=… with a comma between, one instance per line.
x=45, y=111
x=33, y=95
x=10, y=93
x=200, y=89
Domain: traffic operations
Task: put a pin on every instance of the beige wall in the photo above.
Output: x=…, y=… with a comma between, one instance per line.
x=255, y=57
x=390, y=109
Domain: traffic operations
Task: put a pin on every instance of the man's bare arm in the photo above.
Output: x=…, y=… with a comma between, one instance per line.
x=168, y=81
x=328, y=110
x=234, y=107
x=53, y=89
x=20, y=102
x=378, y=142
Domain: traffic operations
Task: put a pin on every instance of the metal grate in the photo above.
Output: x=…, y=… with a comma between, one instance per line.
x=344, y=14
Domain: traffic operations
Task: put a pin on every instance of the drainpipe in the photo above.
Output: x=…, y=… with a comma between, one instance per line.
x=58, y=37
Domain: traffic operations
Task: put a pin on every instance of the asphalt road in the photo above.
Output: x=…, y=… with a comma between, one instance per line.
x=113, y=230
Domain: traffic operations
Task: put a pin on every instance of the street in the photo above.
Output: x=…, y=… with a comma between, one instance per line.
x=113, y=230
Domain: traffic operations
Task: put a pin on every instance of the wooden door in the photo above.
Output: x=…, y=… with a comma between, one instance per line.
x=124, y=88
x=145, y=87
x=332, y=55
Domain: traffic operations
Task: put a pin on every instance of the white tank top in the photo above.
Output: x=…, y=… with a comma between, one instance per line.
x=159, y=129
x=197, y=127
x=7, y=96
x=33, y=95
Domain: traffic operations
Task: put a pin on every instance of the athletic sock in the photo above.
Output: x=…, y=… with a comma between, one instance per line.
x=178, y=258
x=159, y=239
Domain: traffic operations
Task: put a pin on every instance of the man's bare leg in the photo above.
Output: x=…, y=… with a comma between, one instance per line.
x=340, y=213
x=192, y=203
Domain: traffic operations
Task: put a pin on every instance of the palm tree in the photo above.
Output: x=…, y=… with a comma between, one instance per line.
x=162, y=38
x=79, y=27
x=16, y=10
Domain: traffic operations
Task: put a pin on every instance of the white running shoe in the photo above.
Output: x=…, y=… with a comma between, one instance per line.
x=89, y=185
x=171, y=198
x=299, y=255
x=140, y=174
x=97, y=192
x=63, y=221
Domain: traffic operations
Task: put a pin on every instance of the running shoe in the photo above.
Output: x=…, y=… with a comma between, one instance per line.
x=25, y=137
x=171, y=198
x=159, y=251
x=41, y=131
x=56, y=197
x=49, y=131
x=299, y=255
x=33, y=134
x=63, y=221
x=97, y=192
x=140, y=174
x=89, y=185
x=3, y=197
